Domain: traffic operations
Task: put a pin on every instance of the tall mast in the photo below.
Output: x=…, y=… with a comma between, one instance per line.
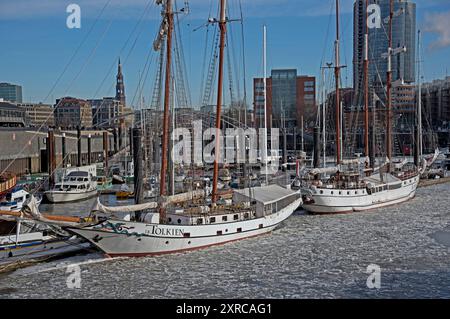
x=324, y=138
x=223, y=31
x=265, y=98
x=166, y=120
x=419, y=102
x=337, y=73
x=366, y=85
x=389, y=86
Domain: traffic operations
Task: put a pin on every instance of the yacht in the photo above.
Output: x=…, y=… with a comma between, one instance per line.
x=77, y=185
x=14, y=200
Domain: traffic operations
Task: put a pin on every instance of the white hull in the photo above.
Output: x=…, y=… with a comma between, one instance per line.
x=328, y=203
x=119, y=238
x=67, y=196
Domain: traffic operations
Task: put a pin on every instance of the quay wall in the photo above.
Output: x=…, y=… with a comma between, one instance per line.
x=24, y=151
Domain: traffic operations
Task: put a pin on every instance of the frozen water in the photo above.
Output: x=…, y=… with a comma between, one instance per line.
x=309, y=257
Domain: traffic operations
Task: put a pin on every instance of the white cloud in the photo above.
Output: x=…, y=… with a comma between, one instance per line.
x=439, y=23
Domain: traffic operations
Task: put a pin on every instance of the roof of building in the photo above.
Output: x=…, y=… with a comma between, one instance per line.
x=9, y=105
x=266, y=194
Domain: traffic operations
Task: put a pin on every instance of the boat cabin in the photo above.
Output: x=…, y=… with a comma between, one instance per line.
x=267, y=200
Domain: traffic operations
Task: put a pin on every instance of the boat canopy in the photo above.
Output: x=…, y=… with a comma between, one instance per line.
x=326, y=170
x=376, y=179
x=99, y=207
x=266, y=194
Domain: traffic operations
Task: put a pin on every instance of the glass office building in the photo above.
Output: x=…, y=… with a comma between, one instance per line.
x=10, y=92
x=284, y=97
x=403, y=35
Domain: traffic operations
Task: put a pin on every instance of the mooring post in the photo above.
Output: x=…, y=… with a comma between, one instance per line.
x=131, y=141
x=120, y=136
x=316, y=147
x=115, y=140
x=372, y=147
x=79, y=162
x=89, y=149
x=63, y=150
x=51, y=157
x=105, y=150
x=138, y=173
x=416, y=146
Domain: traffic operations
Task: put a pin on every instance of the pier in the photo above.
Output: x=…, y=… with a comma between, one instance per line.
x=24, y=151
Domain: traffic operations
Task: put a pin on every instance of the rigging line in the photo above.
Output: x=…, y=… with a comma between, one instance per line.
x=120, y=52
x=107, y=75
x=77, y=50
x=90, y=57
x=68, y=88
x=202, y=84
x=185, y=79
x=145, y=70
x=326, y=44
x=235, y=64
x=180, y=69
x=58, y=80
x=230, y=75
x=243, y=63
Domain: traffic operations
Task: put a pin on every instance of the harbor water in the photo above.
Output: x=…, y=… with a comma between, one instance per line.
x=308, y=257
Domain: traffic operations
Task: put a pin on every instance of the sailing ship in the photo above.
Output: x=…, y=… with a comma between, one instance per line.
x=180, y=222
x=352, y=188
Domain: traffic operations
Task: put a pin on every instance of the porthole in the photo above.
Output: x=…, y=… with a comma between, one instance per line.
x=179, y=221
x=167, y=242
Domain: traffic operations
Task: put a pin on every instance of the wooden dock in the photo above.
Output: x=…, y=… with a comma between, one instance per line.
x=431, y=182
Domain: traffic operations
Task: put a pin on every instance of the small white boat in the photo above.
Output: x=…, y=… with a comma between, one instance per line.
x=77, y=185
x=14, y=200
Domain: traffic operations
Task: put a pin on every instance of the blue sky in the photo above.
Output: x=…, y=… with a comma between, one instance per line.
x=37, y=45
